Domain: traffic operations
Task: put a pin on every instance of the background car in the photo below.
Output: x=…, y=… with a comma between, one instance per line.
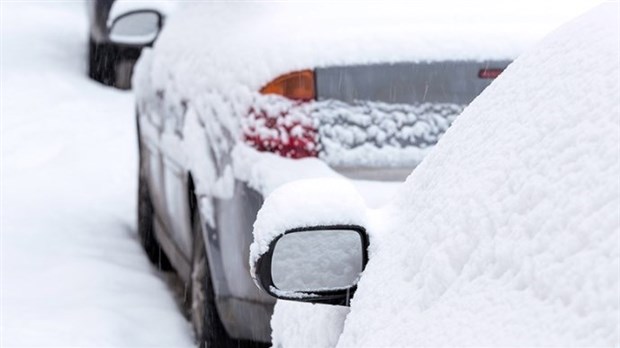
x=506, y=235
x=118, y=31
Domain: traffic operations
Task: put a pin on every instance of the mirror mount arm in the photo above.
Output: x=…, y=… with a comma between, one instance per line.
x=339, y=297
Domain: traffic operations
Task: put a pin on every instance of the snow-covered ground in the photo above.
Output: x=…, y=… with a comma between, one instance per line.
x=73, y=272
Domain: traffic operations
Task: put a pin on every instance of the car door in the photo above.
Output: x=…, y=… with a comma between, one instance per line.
x=150, y=133
x=167, y=179
x=175, y=209
x=176, y=204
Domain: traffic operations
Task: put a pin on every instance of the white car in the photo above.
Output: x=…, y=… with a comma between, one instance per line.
x=507, y=234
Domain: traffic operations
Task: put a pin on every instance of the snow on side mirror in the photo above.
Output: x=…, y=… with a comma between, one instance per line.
x=136, y=27
x=319, y=264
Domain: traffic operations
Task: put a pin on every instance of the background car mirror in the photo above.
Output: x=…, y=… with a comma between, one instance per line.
x=320, y=264
x=136, y=28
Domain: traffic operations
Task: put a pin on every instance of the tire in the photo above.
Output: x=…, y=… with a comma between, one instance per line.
x=146, y=219
x=208, y=327
x=102, y=59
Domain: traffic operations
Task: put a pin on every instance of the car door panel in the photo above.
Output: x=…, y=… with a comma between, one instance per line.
x=176, y=205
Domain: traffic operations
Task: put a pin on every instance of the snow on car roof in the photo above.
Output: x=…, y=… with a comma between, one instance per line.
x=251, y=43
x=508, y=232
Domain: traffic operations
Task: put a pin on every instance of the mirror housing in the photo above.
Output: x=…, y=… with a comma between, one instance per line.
x=136, y=28
x=336, y=289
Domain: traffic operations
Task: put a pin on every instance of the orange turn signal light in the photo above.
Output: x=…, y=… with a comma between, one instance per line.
x=298, y=85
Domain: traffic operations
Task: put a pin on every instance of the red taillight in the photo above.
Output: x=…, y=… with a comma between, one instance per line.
x=281, y=133
x=489, y=73
x=297, y=85
x=282, y=127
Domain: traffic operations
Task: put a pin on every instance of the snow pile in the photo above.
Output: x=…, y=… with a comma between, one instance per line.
x=73, y=272
x=508, y=233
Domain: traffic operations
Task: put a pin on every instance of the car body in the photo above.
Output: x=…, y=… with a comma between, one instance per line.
x=506, y=235
x=118, y=30
x=227, y=116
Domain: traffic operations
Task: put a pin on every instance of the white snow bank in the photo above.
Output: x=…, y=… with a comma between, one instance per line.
x=508, y=233
x=73, y=272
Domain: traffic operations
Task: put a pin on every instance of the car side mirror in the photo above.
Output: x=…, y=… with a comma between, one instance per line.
x=319, y=264
x=136, y=27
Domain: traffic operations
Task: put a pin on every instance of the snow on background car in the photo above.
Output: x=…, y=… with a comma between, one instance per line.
x=73, y=272
x=508, y=233
x=209, y=80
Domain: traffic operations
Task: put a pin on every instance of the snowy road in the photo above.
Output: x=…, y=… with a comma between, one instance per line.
x=73, y=272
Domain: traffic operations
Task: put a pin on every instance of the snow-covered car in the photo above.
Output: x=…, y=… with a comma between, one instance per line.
x=250, y=101
x=118, y=30
x=507, y=234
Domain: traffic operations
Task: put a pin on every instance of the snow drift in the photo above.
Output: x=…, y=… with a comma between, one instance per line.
x=508, y=232
x=73, y=271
